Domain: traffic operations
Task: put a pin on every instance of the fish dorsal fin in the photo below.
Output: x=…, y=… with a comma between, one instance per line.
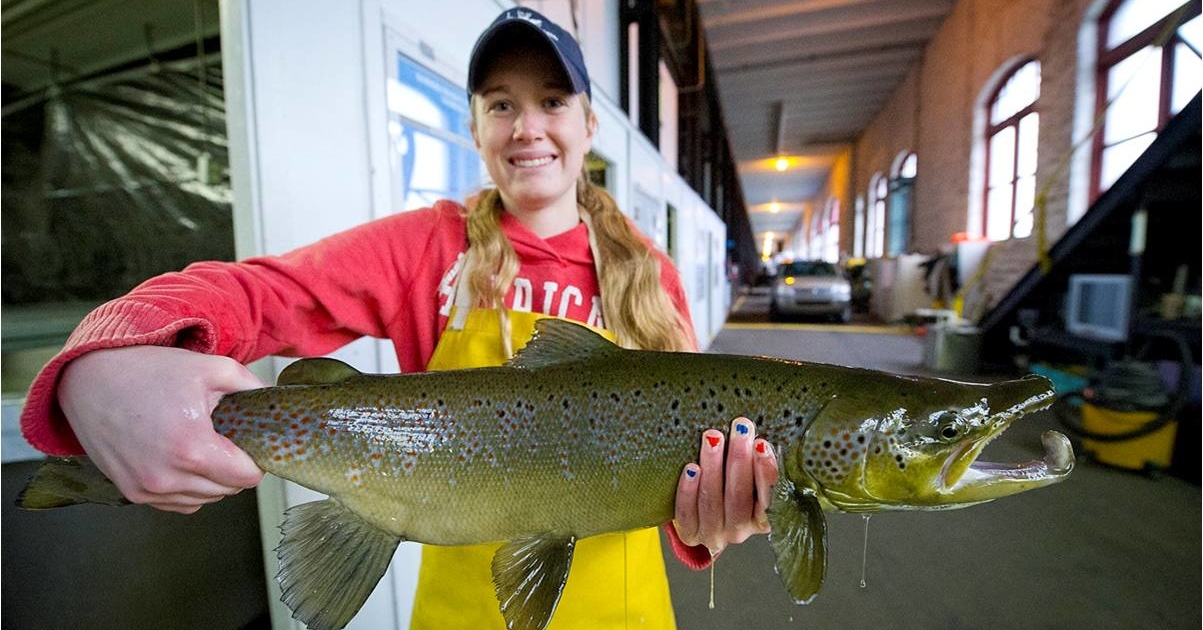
x=528, y=576
x=330, y=561
x=318, y=371
x=560, y=341
x=799, y=538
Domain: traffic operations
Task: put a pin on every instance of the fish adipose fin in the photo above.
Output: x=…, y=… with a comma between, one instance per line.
x=529, y=575
x=799, y=538
x=330, y=560
x=315, y=372
x=559, y=341
x=62, y=482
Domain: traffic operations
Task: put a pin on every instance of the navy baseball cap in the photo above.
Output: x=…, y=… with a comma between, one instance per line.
x=529, y=23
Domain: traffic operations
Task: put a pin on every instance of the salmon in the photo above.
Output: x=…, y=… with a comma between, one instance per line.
x=577, y=437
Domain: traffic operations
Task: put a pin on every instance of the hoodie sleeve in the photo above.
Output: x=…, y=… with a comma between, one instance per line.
x=306, y=302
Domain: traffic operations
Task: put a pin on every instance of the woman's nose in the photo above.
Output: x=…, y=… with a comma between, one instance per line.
x=528, y=126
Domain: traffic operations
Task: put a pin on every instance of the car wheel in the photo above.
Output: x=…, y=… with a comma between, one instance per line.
x=774, y=312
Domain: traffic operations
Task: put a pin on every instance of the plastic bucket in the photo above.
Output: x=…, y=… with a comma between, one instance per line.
x=1152, y=451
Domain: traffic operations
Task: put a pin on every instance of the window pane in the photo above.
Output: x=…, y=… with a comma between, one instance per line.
x=1192, y=32
x=1025, y=197
x=1188, y=76
x=882, y=187
x=1137, y=80
x=1021, y=89
x=910, y=166
x=1029, y=127
x=1002, y=157
x=1135, y=16
x=998, y=213
x=1118, y=158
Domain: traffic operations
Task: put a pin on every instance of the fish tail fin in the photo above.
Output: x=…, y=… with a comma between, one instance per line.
x=62, y=482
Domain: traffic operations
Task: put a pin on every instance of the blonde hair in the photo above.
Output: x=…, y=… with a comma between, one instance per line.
x=635, y=306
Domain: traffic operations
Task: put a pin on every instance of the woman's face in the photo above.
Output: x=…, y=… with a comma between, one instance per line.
x=532, y=132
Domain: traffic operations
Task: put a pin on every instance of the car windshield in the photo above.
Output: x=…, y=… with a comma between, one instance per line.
x=808, y=268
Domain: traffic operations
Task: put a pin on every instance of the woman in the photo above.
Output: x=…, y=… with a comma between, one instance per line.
x=452, y=287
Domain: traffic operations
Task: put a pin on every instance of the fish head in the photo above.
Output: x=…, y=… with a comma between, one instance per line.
x=914, y=443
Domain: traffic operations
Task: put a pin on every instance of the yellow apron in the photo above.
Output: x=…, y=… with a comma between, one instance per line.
x=616, y=580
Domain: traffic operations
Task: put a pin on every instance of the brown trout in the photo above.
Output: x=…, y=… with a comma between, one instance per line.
x=577, y=437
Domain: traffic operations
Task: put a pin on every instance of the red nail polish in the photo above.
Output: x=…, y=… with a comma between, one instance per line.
x=713, y=441
x=760, y=448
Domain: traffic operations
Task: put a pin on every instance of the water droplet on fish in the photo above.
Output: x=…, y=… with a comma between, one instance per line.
x=864, y=557
x=713, y=561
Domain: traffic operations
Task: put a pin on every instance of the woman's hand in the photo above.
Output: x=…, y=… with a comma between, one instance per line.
x=717, y=507
x=142, y=414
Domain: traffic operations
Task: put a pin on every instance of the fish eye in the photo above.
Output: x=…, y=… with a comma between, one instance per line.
x=949, y=430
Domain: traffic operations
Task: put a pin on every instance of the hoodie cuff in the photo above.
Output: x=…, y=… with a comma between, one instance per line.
x=696, y=557
x=115, y=324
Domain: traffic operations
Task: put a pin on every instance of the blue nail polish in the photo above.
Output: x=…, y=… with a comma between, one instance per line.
x=742, y=429
x=691, y=473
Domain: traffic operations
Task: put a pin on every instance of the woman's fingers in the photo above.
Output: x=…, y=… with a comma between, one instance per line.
x=685, y=515
x=711, y=516
x=766, y=474
x=724, y=497
x=737, y=494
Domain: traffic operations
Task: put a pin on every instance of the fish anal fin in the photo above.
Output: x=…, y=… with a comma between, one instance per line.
x=529, y=574
x=63, y=482
x=330, y=561
x=317, y=371
x=559, y=341
x=799, y=539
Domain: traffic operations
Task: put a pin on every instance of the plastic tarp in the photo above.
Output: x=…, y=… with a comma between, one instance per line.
x=112, y=180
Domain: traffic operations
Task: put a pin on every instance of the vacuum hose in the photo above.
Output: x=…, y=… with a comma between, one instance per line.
x=1130, y=385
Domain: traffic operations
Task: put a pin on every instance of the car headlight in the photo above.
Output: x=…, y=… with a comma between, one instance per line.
x=842, y=291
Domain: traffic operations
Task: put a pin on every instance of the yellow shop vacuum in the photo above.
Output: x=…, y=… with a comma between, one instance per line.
x=1126, y=418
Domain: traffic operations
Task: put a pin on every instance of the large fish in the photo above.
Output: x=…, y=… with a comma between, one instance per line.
x=577, y=437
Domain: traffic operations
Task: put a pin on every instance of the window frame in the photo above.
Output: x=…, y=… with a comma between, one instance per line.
x=992, y=129
x=1107, y=57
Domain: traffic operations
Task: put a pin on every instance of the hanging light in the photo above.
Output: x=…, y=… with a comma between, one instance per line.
x=781, y=163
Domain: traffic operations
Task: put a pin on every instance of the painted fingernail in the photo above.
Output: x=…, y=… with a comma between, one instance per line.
x=713, y=440
x=762, y=447
x=742, y=428
x=691, y=473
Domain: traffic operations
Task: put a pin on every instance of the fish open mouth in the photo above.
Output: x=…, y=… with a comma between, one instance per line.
x=968, y=479
x=1057, y=462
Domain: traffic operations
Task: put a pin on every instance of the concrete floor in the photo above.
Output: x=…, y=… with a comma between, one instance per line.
x=1105, y=549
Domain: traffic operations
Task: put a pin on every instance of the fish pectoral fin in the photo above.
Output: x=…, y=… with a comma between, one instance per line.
x=528, y=576
x=799, y=538
x=319, y=371
x=559, y=341
x=63, y=482
x=330, y=561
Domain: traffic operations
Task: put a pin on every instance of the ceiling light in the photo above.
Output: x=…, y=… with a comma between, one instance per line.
x=774, y=207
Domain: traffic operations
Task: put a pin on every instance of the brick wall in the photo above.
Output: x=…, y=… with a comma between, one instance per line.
x=934, y=112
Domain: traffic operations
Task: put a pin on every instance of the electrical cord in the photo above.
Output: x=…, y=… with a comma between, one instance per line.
x=1131, y=385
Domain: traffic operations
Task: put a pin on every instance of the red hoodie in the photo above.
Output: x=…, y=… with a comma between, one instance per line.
x=390, y=278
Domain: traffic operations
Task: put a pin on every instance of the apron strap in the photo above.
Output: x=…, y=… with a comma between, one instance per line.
x=463, y=300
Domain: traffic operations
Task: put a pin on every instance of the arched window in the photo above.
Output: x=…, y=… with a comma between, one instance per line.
x=1011, y=134
x=875, y=227
x=900, y=200
x=1148, y=70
